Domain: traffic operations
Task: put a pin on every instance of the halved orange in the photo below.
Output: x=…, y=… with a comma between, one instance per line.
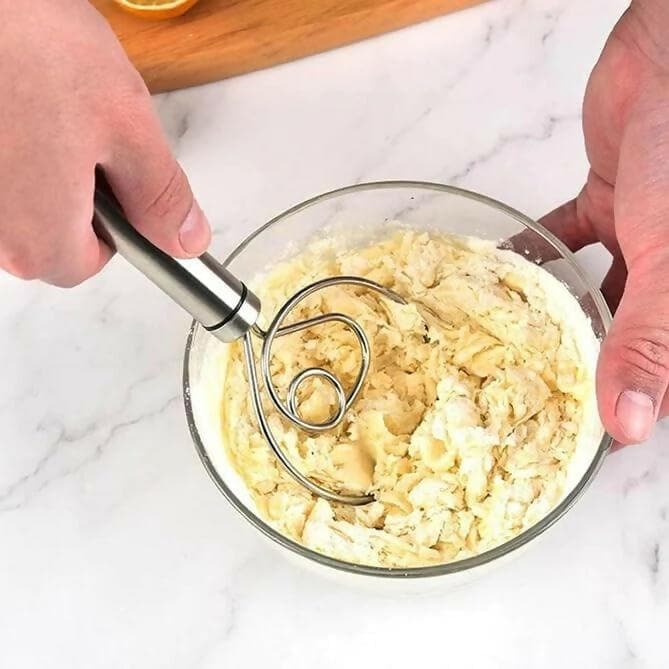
x=156, y=9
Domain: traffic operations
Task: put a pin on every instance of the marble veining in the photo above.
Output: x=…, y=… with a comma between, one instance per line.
x=544, y=133
x=116, y=549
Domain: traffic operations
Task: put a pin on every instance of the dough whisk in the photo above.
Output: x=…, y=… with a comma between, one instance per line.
x=227, y=309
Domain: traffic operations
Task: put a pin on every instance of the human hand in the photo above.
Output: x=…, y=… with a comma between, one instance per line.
x=625, y=205
x=71, y=101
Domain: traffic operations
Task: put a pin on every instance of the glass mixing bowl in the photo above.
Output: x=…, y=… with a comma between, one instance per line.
x=363, y=211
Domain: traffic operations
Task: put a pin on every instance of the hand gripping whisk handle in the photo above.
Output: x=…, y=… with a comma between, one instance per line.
x=202, y=286
x=227, y=309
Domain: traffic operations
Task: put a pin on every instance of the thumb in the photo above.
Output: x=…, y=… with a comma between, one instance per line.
x=153, y=189
x=633, y=372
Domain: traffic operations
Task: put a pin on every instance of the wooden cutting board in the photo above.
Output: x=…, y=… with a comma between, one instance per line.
x=221, y=38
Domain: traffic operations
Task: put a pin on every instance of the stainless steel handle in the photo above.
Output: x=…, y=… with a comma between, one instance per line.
x=202, y=286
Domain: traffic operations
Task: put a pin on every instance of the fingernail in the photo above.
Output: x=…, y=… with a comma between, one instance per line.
x=194, y=233
x=636, y=415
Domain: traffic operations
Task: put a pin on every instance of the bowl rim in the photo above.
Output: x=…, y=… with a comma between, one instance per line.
x=457, y=566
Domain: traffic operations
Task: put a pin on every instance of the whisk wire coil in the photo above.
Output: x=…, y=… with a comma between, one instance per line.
x=289, y=408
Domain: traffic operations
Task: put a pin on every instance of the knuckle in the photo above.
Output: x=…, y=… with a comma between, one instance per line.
x=647, y=355
x=23, y=266
x=69, y=281
x=82, y=266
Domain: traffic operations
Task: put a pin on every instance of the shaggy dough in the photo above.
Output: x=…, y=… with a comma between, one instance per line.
x=479, y=391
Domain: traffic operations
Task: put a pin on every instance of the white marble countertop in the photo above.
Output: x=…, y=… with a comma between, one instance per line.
x=115, y=548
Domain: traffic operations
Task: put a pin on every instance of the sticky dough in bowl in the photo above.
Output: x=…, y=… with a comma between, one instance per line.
x=431, y=208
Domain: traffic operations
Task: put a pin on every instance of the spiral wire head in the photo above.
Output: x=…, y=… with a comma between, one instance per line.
x=289, y=409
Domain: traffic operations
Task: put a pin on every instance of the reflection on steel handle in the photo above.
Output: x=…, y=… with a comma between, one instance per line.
x=202, y=286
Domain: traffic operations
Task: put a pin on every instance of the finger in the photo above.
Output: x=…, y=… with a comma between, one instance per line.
x=153, y=189
x=577, y=222
x=633, y=371
x=57, y=243
x=614, y=282
x=568, y=226
x=86, y=259
x=83, y=255
x=62, y=266
x=574, y=223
